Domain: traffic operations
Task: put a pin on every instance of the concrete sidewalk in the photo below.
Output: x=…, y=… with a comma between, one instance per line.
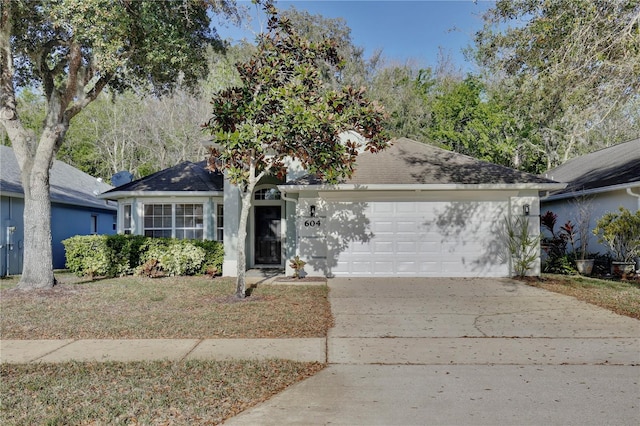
x=25, y=351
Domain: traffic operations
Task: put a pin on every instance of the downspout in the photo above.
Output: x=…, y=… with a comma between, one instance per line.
x=633, y=194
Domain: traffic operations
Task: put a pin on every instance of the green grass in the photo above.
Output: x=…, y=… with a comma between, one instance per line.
x=140, y=393
x=175, y=307
x=619, y=296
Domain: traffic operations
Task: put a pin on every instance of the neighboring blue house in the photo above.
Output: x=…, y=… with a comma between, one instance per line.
x=75, y=210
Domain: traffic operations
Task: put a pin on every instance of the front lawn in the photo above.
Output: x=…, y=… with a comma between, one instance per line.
x=171, y=308
x=619, y=296
x=158, y=392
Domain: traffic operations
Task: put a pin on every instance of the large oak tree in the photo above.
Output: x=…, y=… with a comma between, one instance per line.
x=71, y=50
x=283, y=109
x=569, y=66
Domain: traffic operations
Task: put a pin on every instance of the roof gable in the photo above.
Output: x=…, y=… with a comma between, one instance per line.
x=615, y=165
x=68, y=184
x=408, y=162
x=184, y=177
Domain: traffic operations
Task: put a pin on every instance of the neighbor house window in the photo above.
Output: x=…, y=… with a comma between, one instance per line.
x=94, y=224
x=189, y=221
x=220, y=222
x=126, y=223
x=182, y=221
x=158, y=221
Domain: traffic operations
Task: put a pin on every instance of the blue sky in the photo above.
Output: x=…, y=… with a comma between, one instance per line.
x=404, y=30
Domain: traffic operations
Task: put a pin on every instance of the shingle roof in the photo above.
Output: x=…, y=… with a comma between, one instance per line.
x=410, y=162
x=68, y=184
x=616, y=165
x=184, y=177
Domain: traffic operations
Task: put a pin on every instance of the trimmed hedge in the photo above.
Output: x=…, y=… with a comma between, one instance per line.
x=117, y=255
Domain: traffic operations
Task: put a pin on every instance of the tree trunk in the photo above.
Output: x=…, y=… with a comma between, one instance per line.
x=247, y=198
x=35, y=164
x=37, y=270
x=242, y=243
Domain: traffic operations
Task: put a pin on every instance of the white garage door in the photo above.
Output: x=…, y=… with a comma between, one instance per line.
x=419, y=238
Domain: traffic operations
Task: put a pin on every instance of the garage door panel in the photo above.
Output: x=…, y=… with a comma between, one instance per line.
x=427, y=239
x=383, y=226
x=406, y=247
x=383, y=247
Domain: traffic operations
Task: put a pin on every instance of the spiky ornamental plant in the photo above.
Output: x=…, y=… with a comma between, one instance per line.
x=284, y=110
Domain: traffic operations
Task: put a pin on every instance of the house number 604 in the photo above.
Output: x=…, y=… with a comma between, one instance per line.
x=311, y=223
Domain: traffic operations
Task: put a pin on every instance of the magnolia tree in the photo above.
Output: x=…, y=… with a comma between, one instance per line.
x=282, y=110
x=70, y=51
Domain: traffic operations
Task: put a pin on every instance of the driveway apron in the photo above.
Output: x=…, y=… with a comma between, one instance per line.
x=457, y=351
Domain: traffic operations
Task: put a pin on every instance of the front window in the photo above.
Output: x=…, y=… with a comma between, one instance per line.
x=182, y=221
x=126, y=223
x=189, y=221
x=158, y=220
x=220, y=222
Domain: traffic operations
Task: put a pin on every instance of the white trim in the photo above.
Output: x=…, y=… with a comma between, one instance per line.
x=123, y=194
x=600, y=190
x=422, y=187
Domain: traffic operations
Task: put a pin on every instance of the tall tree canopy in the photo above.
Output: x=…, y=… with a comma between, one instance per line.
x=71, y=50
x=283, y=109
x=568, y=65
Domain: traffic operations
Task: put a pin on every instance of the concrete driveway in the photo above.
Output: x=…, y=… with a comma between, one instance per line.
x=447, y=351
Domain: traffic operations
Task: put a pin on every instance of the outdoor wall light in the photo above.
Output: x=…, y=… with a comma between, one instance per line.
x=312, y=211
x=525, y=209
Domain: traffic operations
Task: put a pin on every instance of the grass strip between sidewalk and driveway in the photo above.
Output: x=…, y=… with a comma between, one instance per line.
x=141, y=393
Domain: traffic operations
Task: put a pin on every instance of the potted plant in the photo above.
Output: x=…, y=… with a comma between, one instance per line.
x=297, y=265
x=621, y=232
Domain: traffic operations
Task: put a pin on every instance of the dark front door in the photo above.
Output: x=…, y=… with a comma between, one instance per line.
x=268, y=246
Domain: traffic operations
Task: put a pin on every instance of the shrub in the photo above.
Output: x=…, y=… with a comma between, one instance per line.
x=87, y=255
x=522, y=246
x=176, y=257
x=124, y=253
x=213, y=255
x=117, y=255
x=621, y=232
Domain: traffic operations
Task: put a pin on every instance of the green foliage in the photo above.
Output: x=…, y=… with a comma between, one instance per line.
x=175, y=257
x=282, y=109
x=621, y=232
x=117, y=255
x=567, y=66
x=213, y=255
x=554, y=244
x=521, y=245
x=87, y=255
x=123, y=253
